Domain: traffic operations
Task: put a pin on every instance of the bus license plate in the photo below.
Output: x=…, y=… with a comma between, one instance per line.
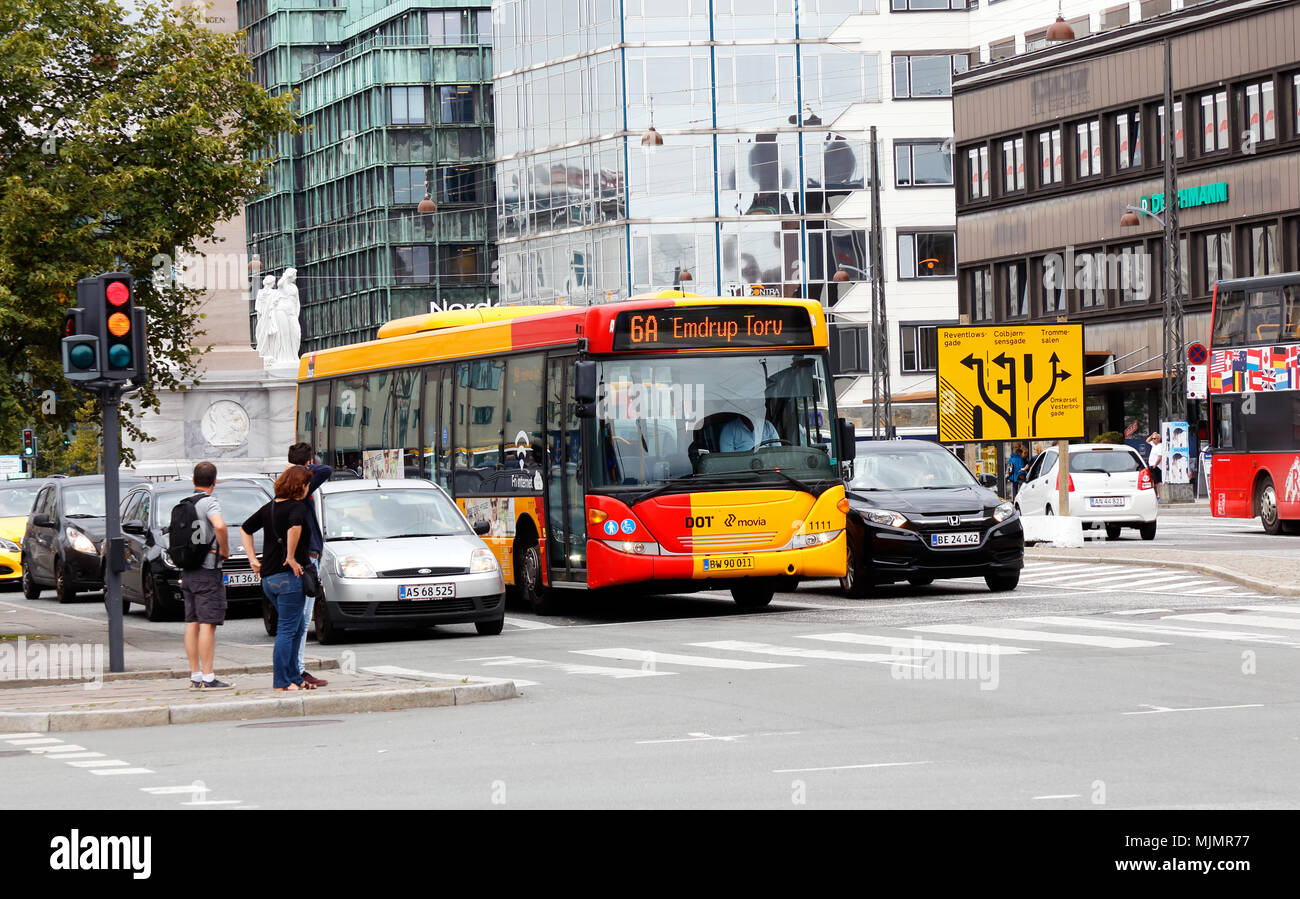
x=729, y=563
x=965, y=538
x=1102, y=501
x=241, y=579
x=427, y=591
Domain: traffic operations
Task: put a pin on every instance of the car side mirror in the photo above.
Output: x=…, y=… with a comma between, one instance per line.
x=482, y=528
x=133, y=527
x=42, y=520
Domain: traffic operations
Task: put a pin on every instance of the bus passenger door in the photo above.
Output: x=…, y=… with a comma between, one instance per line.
x=566, y=528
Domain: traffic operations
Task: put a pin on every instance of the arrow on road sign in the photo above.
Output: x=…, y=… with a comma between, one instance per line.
x=1057, y=377
x=978, y=366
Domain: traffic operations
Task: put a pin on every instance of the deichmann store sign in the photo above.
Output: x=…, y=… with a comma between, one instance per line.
x=1189, y=197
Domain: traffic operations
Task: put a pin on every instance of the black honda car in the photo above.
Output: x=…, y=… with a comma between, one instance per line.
x=150, y=578
x=916, y=513
x=65, y=532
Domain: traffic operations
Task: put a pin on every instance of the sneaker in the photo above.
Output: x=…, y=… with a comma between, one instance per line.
x=314, y=681
x=215, y=684
x=195, y=684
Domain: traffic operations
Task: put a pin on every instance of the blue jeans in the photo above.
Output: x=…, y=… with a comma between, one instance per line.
x=285, y=591
x=300, y=658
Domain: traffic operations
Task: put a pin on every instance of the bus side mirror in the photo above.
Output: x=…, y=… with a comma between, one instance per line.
x=848, y=441
x=584, y=388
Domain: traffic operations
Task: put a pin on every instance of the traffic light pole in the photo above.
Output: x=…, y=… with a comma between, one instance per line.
x=114, y=552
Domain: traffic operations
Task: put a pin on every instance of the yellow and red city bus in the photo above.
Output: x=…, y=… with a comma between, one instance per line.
x=672, y=442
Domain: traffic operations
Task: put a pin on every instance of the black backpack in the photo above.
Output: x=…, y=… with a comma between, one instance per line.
x=184, y=525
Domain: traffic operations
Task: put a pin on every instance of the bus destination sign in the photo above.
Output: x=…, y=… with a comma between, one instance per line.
x=691, y=327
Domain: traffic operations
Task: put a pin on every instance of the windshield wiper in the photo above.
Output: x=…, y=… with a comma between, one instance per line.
x=426, y=534
x=332, y=539
x=82, y=515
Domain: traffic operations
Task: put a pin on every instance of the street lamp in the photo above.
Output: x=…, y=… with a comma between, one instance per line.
x=427, y=205
x=1060, y=30
x=679, y=275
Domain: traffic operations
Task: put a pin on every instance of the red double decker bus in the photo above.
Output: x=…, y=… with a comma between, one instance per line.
x=1254, y=388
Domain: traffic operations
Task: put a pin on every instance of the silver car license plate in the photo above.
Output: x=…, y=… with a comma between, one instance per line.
x=241, y=579
x=965, y=538
x=1098, y=502
x=427, y=591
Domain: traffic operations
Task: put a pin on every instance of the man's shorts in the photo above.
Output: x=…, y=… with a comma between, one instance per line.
x=205, y=596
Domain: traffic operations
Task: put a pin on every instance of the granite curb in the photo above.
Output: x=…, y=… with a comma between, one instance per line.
x=312, y=703
x=321, y=664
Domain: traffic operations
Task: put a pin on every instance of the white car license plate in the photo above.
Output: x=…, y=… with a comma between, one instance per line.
x=241, y=579
x=427, y=591
x=1098, y=502
x=965, y=538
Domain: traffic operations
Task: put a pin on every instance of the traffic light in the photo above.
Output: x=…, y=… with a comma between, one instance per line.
x=119, y=323
x=80, y=348
x=106, y=312
x=29, y=443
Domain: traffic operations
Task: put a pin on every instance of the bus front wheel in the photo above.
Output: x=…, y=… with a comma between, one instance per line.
x=1266, y=502
x=755, y=594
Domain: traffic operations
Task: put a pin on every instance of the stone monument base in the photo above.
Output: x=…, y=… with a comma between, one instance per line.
x=1176, y=493
x=242, y=421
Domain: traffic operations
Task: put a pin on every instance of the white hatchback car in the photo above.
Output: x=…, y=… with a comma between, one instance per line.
x=1109, y=486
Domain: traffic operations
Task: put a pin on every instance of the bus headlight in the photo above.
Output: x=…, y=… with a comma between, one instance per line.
x=806, y=540
x=1003, y=511
x=634, y=547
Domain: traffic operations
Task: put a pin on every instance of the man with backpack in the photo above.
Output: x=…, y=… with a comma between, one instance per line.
x=197, y=543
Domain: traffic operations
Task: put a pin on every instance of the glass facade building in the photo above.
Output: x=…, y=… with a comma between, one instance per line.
x=397, y=100
x=753, y=187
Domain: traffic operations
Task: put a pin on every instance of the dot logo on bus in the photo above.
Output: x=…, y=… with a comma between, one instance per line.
x=628, y=525
x=699, y=521
x=611, y=527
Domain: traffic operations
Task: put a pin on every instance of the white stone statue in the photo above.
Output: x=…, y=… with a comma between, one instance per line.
x=265, y=300
x=283, y=333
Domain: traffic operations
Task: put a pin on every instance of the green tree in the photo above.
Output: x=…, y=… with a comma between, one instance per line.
x=124, y=138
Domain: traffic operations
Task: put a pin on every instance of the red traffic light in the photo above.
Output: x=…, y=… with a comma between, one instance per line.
x=69, y=325
x=117, y=293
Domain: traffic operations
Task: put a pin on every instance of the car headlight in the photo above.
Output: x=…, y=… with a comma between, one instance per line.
x=1003, y=511
x=9, y=546
x=481, y=560
x=354, y=566
x=80, y=542
x=886, y=517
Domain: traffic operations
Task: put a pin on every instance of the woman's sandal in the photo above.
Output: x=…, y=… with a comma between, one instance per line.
x=294, y=688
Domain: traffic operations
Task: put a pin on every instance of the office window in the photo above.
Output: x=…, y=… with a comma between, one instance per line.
x=1014, y=282
x=1154, y=8
x=1134, y=274
x=411, y=265
x=977, y=172
x=1055, y=280
x=1180, y=143
x=1214, y=122
x=1090, y=279
x=1051, y=161
x=852, y=347
x=1013, y=164
x=462, y=26
x=1087, y=148
x=1128, y=140
x=406, y=106
x=408, y=183
x=1002, y=49
x=1035, y=40
x=927, y=76
x=928, y=254
x=1184, y=265
x=1264, y=258
x=1216, y=250
x=918, y=347
x=462, y=184
x=1082, y=27
x=461, y=263
x=928, y=5
x=980, y=286
x=456, y=105
x=1114, y=18
x=919, y=163
x=1257, y=106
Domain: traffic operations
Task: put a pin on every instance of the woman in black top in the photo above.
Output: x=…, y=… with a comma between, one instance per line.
x=284, y=553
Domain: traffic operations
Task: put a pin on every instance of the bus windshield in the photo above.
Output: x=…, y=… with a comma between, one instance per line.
x=661, y=418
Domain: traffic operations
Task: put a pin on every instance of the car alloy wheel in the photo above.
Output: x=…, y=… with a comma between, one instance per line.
x=155, y=604
x=61, y=587
x=31, y=589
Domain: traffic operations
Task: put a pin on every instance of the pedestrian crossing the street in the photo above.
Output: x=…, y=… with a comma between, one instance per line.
x=1093, y=577
x=1272, y=625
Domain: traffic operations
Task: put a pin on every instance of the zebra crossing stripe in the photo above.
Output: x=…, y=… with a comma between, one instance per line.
x=568, y=667
x=1164, y=630
x=668, y=658
x=910, y=643
x=798, y=652
x=1289, y=624
x=1011, y=633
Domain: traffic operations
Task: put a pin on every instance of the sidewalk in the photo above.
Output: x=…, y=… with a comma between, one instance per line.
x=54, y=677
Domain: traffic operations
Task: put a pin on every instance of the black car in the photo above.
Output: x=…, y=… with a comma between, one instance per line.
x=150, y=578
x=62, y=543
x=916, y=514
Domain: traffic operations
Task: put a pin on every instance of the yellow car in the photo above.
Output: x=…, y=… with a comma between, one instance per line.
x=15, y=504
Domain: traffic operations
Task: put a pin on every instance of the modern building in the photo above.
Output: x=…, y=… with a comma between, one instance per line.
x=397, y=102
x=1053, y=146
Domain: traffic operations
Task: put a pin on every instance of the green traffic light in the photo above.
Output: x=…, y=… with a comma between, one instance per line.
x=119, y=356
x=82, y=357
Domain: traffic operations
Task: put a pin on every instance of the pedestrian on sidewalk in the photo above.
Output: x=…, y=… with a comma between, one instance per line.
x=1154, y=460
x=301, y=454
x=202, y=588
x=1015, y=467
x=284, y=554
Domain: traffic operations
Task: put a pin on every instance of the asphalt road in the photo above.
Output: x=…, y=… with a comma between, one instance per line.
x=1128, y=688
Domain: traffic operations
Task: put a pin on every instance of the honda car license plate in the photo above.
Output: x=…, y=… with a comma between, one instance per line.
x=241, y=579
x=965, y=538
x=1103, y=501
x=427, y=591
x=729, y=563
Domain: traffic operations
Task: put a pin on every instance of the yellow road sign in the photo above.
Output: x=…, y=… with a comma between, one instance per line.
x=1010, y=382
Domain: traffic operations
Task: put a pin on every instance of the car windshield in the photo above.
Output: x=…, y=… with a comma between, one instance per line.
x=661, y=418
x=1105, y=462
x=381, y=514
x=84, y=502
x=909, y=469
x=17, y=501
x=237, y=503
